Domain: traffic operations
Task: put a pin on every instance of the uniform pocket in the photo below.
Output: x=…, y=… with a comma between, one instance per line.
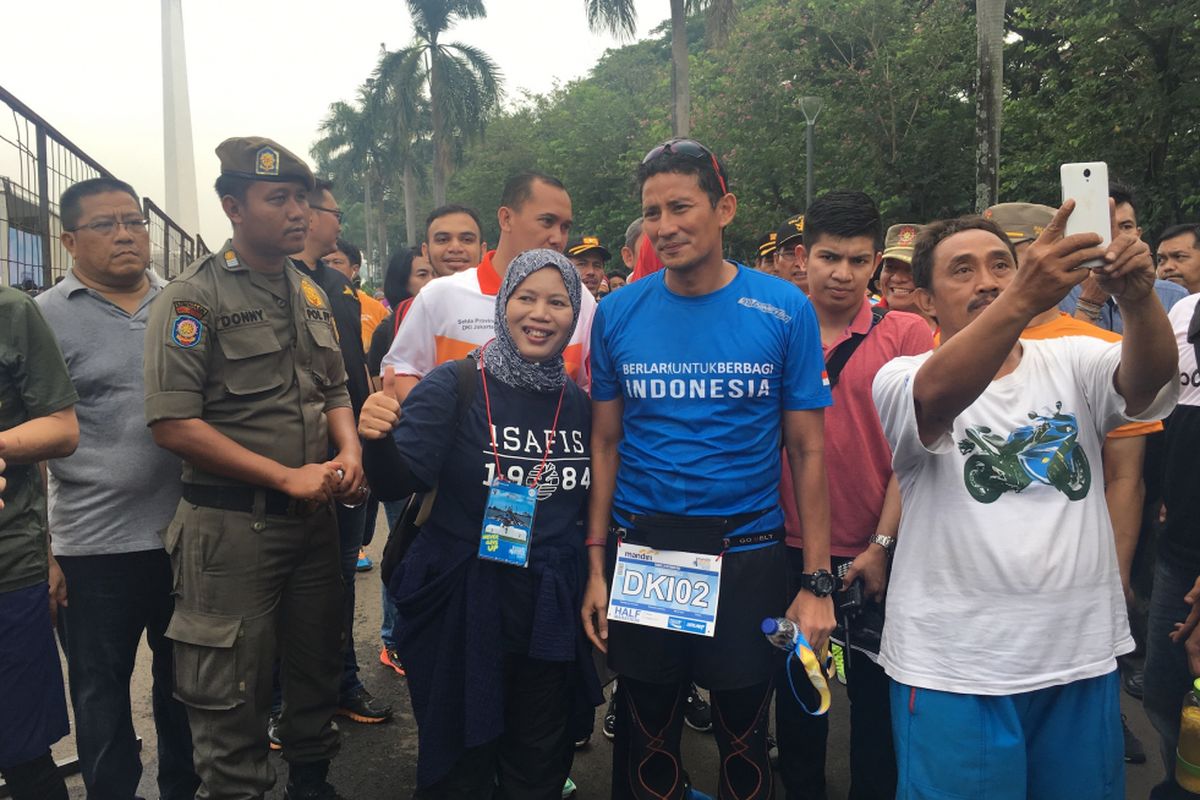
x=207, y=648
x=251, y=355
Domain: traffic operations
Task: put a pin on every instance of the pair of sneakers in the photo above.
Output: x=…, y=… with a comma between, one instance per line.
x=697, y=714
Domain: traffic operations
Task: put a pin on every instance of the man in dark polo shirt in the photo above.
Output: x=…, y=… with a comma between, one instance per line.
x=324, y=227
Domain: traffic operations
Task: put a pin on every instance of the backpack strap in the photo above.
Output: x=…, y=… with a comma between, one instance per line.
x=841, y=354
x=464, y=370
x=400, y=313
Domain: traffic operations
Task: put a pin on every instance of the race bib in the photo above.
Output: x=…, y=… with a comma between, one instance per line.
x=508, y=523
x=666, y=589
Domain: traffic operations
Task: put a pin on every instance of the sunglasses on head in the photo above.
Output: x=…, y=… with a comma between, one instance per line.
x=692, y=149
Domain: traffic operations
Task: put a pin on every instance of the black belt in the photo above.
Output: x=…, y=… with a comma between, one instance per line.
x=241, y=498
x=710, y=535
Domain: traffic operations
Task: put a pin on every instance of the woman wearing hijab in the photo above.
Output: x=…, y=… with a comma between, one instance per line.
x=488, y=595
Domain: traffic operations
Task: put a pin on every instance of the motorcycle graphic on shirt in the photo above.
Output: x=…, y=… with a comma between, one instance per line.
x=1046, y=451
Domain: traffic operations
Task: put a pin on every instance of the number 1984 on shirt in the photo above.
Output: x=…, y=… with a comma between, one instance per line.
x=666, y=589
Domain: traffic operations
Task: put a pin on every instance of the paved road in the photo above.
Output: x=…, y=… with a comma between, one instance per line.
x=377, y=762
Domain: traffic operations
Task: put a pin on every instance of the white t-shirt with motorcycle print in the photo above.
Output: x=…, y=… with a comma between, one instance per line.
x=1005, y=575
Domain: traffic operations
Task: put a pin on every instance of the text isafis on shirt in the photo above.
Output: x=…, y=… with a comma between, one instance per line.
x=522, y=449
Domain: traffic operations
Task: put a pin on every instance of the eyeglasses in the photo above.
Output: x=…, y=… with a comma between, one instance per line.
x=107, y=227
x=336, y=214
x=691, y=149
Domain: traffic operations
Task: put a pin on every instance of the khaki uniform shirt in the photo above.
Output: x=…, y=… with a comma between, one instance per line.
x=254, y=355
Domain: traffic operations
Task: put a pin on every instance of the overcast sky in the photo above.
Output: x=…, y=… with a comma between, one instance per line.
x=255, y=67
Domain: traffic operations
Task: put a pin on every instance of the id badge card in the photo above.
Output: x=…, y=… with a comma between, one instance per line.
x=508, y=523
x=667, y=589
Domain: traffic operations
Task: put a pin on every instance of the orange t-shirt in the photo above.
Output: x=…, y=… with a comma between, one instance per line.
x=1066, y=325
x=373, y=313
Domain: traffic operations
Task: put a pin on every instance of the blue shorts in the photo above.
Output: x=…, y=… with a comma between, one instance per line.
x=31, y=684
x=1064, y=741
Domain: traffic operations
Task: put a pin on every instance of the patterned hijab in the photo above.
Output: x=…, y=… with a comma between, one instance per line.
x=501, y=357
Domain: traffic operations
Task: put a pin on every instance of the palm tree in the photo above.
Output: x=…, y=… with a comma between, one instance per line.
x=351, y=148
x=463, y=81
x=989, y=87
x=620, y=18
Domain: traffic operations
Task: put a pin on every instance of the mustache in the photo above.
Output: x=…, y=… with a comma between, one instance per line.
x=983, y=300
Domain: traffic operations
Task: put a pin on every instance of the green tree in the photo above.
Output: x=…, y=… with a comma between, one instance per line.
x=620, y=17
x=463, y=82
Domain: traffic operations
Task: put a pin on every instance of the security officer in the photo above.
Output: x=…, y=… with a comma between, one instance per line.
x=788, y=267
x=245, y=382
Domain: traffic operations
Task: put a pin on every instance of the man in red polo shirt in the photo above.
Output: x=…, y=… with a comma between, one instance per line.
x=841, y=249
x=455, y=314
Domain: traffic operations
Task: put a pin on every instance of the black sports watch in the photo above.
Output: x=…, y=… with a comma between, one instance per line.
x=820, y=582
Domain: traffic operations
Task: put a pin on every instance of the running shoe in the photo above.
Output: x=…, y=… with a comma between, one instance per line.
x=839, y=662
x=698, y=714
x=361, y=706
x=273, y=731
x=364, y=563
x=390, y=658
x=610, y=717
x=569, y=789
x=582, y=743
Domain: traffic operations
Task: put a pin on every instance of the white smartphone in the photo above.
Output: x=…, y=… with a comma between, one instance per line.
x=1087, y=184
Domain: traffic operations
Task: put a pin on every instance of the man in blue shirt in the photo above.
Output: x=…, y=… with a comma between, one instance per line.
x=697, y=370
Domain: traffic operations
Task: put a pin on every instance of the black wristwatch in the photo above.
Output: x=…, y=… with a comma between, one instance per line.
x=820, y=582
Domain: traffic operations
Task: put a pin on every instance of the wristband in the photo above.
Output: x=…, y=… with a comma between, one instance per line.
x=595, y=542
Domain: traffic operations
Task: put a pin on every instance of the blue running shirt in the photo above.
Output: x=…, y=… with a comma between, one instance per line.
x=704, y=382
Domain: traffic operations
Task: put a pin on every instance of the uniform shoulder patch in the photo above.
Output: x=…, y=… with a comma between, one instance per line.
x=311, y=293
x=190, y=308
x=186, y=331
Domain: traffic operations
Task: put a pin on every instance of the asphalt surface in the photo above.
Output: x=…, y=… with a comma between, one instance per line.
x=378, y=762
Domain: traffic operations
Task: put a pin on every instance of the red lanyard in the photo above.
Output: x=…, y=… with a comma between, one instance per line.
x=487, y=403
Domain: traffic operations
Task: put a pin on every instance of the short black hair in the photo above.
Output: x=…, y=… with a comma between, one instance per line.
x=399, y=270
x=844, y=214
x=70, y=206
x=1179, y=230
x=703, y=169
x=322, y=185
x=352, y=252
x=452, y=208
x=234, y=186
x=519, y=188
x=935, y=233
x=1122, y=193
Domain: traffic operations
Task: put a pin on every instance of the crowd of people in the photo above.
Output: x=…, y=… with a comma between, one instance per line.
x=937, y=448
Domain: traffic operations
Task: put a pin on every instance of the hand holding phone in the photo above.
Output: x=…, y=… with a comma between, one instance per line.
x=1087, y=184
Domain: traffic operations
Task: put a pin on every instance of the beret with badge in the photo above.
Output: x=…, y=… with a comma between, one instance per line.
x=260, y=159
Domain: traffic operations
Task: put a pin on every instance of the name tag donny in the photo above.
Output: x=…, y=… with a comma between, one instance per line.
x=508, y=523
x=666, y=589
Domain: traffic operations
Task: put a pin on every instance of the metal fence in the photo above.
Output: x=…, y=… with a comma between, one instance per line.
x=37, y=163
x=171, y=247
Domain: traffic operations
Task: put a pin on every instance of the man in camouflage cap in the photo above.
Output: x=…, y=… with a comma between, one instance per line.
x=245, y=381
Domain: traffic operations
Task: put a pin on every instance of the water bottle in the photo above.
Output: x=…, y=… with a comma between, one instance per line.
x=781, y=632
x=1187, y=756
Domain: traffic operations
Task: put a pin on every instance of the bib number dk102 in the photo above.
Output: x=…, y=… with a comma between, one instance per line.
x=666, y=589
